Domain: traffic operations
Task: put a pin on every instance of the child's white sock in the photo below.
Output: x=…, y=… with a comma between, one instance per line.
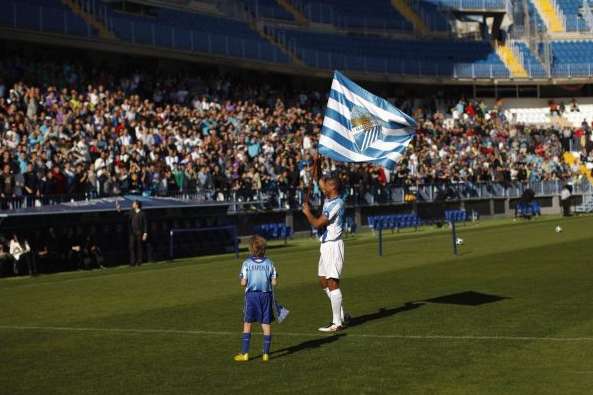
x=336, y=299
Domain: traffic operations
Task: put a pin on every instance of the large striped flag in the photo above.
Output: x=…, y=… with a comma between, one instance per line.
x=361, y=127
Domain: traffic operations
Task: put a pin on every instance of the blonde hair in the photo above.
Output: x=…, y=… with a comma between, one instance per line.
x=257, y=246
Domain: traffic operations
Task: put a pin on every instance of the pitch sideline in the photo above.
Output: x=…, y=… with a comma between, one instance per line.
x=294, y=334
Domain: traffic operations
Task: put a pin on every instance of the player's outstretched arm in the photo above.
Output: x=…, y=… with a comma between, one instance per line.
x=316, y=222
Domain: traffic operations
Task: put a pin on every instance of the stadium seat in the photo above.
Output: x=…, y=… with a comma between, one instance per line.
x=273, y=231
x=375, y=54
x=456, y=215
x=393, y=222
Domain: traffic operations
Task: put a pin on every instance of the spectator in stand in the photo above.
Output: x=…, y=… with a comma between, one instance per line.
x=574, y=107
x=7, y=187
x=554, y=109
x=30, y=185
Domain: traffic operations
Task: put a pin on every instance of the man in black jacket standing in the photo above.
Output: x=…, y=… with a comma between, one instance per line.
x=138, y=229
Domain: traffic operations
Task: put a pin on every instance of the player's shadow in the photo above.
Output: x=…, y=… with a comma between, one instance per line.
x=307, y=345
x=466, y=298
x=383, y=313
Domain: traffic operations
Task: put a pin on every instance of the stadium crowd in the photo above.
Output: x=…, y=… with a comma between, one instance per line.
x=73, y=132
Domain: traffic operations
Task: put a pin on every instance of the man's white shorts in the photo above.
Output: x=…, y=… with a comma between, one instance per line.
x=331, y=260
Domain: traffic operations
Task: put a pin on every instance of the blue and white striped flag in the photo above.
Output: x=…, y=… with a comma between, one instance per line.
x=361, y=127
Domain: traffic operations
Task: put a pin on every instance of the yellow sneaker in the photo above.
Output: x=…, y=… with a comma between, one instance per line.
x=265, y=357
x=242, y=357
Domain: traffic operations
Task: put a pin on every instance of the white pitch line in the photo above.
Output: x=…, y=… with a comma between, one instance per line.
x=295, y=334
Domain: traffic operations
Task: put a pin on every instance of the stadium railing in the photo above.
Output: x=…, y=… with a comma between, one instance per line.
x=473, y=4
x=355, y=195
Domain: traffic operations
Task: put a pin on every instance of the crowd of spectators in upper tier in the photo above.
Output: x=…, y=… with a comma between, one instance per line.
x=69, y=131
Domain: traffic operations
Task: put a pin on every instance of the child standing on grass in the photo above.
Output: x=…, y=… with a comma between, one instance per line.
x=258, y=276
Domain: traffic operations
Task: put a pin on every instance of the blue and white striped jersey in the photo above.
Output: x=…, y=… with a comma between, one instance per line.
x=259, y=273
x=334, y=210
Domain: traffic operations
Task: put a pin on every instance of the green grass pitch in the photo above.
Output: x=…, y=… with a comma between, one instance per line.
x=513, y=314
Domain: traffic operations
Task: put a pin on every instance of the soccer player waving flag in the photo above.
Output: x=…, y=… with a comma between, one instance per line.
x=358, y=127
x=361, y=127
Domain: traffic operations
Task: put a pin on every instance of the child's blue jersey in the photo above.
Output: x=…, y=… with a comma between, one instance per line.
x=259, y=273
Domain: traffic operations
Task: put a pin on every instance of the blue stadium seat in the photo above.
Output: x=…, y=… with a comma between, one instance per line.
x=373, y=14
x=375, y=54
x=572, y=58
x=273, y=231
x=456, y=215
x=531, y=63
x=44, y=15
x=528, y=209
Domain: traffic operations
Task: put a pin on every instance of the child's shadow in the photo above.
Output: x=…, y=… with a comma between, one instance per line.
x=309, y=344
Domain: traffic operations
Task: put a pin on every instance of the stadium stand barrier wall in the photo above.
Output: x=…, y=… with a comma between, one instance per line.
x=108, y=228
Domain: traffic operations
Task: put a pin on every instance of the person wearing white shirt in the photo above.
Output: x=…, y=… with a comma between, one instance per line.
x=565, y=200
x=20, y=251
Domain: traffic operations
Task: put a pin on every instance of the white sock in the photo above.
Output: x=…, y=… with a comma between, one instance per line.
x=336, y=299
x=326, y=290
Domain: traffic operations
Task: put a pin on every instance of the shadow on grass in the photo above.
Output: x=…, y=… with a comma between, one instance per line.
x=307, y=345
x=383, y=313
x=466, y=298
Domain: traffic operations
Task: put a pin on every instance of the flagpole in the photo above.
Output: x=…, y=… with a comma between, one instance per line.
x=314, y=176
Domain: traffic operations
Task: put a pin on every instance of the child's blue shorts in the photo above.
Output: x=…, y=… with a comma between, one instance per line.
x=258, y=307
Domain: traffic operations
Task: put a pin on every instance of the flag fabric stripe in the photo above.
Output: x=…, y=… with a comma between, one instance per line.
x=339, y=107
x=380, y=105
x=338, y=97
x=344, y=151
x=337, y=127
x=372, y=105
x=338, y=117
x=377, y=149
x=382, y=131
x=327, y=142
x=388, y=163
x=335, y=136
x=329, y=122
